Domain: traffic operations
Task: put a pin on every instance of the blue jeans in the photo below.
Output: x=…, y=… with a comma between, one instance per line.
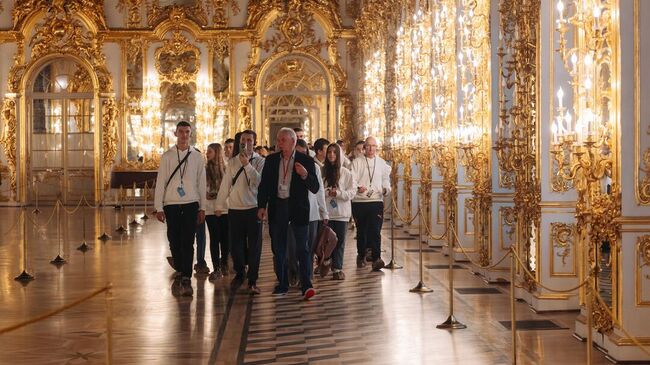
x=279, y=232
x=340, y=228
x=200, y=244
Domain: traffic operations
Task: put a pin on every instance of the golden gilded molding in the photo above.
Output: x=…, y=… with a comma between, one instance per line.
x=219, y=17
x=259, y=9
x=563, y=239
x=92, y=9
x=245, y=113
x=507, y=226
x=8, y=140
x=642, y=261
x=109, y=137
x=132, y=7
x=177, y=61
x=296, y=33
x=177, y=14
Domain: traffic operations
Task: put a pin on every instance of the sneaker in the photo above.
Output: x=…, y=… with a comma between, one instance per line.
x=253, y=289
x=215, y=275
x=201, y=268
x=186, y=287
x=339, y=275
x=361, y=262
x=176, y=287
x=236, y=282
x=378, y=265
x=309, y=293
x=324, y=268
x=317, y=270
x=170, y=261
x=279, y=292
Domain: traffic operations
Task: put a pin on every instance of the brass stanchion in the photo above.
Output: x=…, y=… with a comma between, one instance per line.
x=513, y=301
x=420, y=287
x=451, y=323
x=146, y=197
x=84, y=246
x=109, y=325
x=590, y=340
x=392, y=265
x=36, y=210
x=134, y=222
x=118, y=199
x=120, y=229
x=58, y=261
x=24, y=276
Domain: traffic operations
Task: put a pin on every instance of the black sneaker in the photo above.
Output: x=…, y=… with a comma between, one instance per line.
x=378, y=265
x=186, y=287
x=176, y=287
x=369, y=255
x=279, y=292
x=339, y=275
x=324, y=268
x=201, y=268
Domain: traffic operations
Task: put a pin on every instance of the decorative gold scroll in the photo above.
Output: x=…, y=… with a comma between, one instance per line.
x=92, y=9
x=563, y=246
x=177, y=61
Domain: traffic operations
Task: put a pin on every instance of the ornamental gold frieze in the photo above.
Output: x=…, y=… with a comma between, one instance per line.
x=109, y=137
x=8, y=140
x=259, y=9
x=92, y=9
x=132, y=7
x=642, y=269
x=375, y=17
x=177, y=61
x=177, y=14
x=296, y=33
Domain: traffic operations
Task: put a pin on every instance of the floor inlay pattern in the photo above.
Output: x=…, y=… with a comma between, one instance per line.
x=369, y=318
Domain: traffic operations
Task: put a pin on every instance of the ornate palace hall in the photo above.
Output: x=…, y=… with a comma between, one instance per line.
x=488, y=161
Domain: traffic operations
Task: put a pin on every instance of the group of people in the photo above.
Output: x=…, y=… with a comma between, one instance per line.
x=298, y=190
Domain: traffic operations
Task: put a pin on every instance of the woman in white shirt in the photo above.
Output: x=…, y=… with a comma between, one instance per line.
x=340, y=188
x=217, y=225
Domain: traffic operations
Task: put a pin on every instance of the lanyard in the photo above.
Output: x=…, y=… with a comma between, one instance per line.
x=181, y=170
x=285, y=169
x=374, y=166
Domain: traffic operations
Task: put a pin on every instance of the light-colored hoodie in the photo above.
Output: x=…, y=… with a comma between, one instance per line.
x=341, y=209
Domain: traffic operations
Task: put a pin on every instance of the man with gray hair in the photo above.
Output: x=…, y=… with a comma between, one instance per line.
x=287, y=178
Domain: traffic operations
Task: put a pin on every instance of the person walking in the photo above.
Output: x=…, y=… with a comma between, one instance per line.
x=287, y=179
x=180, y=200
x=238, y=194
x=373, y=184
x=340, y=189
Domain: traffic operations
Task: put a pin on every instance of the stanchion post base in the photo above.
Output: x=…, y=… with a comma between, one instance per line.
x=451, y=324
x=117, y=207
x=104, y=237
x=36, y=211
x=58, y=261
x=24, y=277
x=120, y=229
x=134, y=223
x=145, y=217
x=421, y=288
x=83, y=247
x=392, y=265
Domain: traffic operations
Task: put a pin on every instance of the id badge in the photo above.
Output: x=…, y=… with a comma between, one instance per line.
x=284, y=188
x=333, y=203
x=370, y=192
x=181, y=191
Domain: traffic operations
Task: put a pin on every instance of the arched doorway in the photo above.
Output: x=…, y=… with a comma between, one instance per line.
x=61, y=132
x=295, y=92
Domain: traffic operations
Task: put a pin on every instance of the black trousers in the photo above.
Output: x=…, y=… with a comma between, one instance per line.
x=181, y=228
x=245, y=232
x=219, y=243
x=369, y=217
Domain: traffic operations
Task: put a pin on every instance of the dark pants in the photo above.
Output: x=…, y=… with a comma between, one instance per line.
x=219, y=243
x=279, y=232
x=181, y=228
x=245, y=242
x=369, y=217
x=312, y=235
x=340, y=228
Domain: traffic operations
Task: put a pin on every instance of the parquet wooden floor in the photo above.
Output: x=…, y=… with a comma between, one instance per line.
x=369, y=318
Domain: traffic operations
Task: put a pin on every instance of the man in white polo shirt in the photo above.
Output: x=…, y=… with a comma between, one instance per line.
x=180, y=201
x=373, y=184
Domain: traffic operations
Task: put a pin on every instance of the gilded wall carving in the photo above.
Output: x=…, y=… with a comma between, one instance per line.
x=109, y=137
x=132, y=7
x=642, y=269
x=177, y=14
x=8, y=140
x=563, y=249
x=94, y=9
x=177, y=61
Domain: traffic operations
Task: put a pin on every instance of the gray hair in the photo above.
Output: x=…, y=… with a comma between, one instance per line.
x=288, y=131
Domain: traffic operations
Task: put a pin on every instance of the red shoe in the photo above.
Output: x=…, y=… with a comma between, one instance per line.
x=309, y=293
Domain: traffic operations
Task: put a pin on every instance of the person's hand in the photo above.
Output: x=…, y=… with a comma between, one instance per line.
x=160, y=216
x=362, y=189
x=332, y=192
x=261, y=213
x=243, y=158
x=301, y=170
x=217, y=213
x=325, y=221
x=384, y=192
x=200, y=218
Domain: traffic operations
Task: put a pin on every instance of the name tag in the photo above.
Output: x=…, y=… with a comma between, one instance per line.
x=333, y=203
x=284, y=188
x=181, y=191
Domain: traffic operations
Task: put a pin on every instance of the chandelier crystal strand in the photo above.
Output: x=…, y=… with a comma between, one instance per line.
x=148, y=132
x=373, y=90
x=206, y=129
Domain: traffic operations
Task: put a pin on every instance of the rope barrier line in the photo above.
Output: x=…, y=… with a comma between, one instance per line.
x=74, y=210
x=54, y=312
x=530, y=275
x=486, y=267
x=618, y=324
x=40, y=226
x=405, y=221
x=88, y=203
x=428, y=229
